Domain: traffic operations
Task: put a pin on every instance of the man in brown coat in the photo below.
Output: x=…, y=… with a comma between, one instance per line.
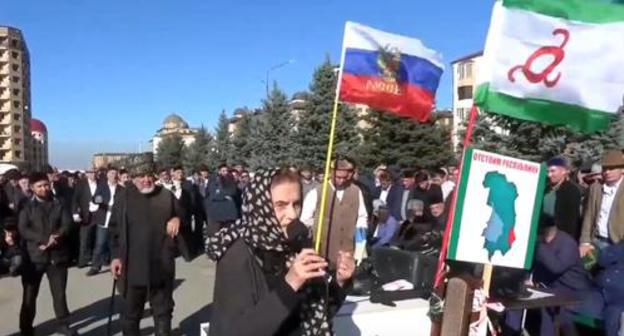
x=603, y=222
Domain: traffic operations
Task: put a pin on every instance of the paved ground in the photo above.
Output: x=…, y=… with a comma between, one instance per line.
x=89, y=299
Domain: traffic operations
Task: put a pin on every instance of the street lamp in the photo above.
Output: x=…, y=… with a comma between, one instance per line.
x=275, y=67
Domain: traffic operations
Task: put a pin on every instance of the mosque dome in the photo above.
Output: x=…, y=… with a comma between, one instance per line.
x=174, y=121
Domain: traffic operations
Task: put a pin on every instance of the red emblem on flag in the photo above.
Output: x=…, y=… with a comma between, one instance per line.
x=557, y=52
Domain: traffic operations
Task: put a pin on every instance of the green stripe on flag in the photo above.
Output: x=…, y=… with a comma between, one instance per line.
x=459, y=206
x=543, y=111
x=590, y=11
x=535, y=219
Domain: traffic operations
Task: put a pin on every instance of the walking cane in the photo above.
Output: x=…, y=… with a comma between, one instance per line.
x=111, y=309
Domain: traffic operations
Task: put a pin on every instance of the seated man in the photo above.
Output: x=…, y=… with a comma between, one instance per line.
x=558, y=267
x=609, y=279
x=418, y=233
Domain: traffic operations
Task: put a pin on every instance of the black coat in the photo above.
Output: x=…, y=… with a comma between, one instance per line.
x=37, y=222
x=80, y=201
x=251, y=301
x=161, y=248
x=222, y=199
x=568, y=209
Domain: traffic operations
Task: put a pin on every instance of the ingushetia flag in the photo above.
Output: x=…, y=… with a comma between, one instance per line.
x=389, y=72
x=558, y=62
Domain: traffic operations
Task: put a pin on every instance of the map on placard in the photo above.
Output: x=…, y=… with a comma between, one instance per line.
x=499, y=232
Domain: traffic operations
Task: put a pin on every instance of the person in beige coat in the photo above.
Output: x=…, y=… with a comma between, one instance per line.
x=603, y=222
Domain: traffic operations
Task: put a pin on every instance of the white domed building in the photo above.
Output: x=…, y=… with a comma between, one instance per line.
x=174, y=125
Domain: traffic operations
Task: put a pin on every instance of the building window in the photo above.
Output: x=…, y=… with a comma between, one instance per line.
x=16, y=92
x=16, y=116
x=464, y=92
x=15, y=79
x=14, y=54
x=17, y=104
x=469, y=70
x=17, y=129
x=15, y=67
x=18, y=154
x=17, y=142
x=460, y=70
x=14, y=43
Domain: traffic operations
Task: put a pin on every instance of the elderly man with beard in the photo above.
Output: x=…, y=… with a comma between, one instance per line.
x=143, y=230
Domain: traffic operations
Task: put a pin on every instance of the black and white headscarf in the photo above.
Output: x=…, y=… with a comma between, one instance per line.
x=260, y=229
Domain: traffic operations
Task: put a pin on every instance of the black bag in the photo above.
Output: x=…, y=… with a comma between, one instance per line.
x=392, y=264
x=365, y=279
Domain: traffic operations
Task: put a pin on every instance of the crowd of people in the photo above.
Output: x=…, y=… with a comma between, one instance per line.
x=260, y=227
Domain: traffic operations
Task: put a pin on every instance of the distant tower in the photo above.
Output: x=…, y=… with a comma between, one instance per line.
x=39, y=133
x=14, y=98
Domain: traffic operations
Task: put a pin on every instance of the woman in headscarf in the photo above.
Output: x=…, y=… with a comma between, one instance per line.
x=268, y=282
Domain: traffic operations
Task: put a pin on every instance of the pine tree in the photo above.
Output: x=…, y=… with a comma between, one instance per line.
x=538, y=142
x=221, y=150
x=271, y=132
x=242, y=142
x=309, y=145
x=393, y=140
x=197, y=153
x=170, y=151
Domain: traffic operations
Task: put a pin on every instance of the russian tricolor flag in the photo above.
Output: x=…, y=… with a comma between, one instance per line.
x=389, y=72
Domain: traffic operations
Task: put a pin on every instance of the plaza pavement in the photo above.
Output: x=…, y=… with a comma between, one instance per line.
x=89, y=298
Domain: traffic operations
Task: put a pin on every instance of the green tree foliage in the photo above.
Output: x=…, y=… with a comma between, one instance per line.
x=538, y=142
x=170, y=151
x=197, y=153
x=309, y=145
x=242, y=141
x=270, y=144
x=221, y=150
x=393, y=140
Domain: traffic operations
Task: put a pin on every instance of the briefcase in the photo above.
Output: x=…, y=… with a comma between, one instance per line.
x=394, y=264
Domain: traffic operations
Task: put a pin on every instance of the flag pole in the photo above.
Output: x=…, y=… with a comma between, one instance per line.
x=328, y=160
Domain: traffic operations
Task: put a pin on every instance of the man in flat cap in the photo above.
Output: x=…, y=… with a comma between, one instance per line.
x=603, y=223
x=44, y=224
x=562, y=200
x=143, y=228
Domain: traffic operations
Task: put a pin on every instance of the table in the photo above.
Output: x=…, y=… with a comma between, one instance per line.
x=359, y=317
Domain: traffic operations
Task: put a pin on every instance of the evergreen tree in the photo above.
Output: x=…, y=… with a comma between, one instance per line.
x=271, y=132
x=393, y=140
x=242, y=141
x=309, y=145
x=170, y=151
x=221, y=149
x=197, y=153
x=538, y=142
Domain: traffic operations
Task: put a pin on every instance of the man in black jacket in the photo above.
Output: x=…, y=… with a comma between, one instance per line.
x=144, y=230
x=562, y=200
x=44, y=225
x=83, y=209
x=222, y=200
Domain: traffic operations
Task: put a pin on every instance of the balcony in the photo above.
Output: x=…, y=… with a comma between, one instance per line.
x=5, y=94
x=5, y=144
x=4, y=56
x=5, y=69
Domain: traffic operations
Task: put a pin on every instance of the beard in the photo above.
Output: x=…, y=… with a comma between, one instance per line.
x=147, y=190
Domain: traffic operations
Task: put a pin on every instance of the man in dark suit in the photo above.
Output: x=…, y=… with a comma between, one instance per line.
x=105, y=196
x=200, y=191
x=562, y=200
x=83, y=209
x=44, y=224
x=221, y=201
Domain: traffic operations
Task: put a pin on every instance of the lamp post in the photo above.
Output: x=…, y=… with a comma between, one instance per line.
x=275, y=67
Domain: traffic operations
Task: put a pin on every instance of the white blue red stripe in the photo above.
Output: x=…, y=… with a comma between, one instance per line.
x=403, y=80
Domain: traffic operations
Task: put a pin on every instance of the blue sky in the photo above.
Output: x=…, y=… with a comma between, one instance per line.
x=106, y=73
